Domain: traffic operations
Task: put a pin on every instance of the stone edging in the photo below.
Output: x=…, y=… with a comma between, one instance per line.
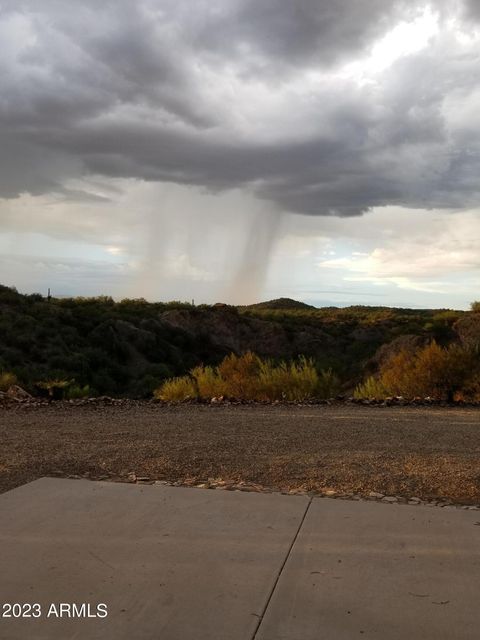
x=211, y=483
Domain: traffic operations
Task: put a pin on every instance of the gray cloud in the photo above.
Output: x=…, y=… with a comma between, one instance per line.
x=472, y=9
x=218, y=95
x=304, y=32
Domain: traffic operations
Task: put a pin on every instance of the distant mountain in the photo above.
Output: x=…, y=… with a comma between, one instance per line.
x=280, y=303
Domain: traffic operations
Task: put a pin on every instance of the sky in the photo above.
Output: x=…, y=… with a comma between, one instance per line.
x=242, y=150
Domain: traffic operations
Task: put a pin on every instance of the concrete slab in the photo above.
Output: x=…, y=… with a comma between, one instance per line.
x=369, y=570
x=170, y=563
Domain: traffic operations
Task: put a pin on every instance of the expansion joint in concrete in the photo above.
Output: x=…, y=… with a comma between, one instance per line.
x=280, y=571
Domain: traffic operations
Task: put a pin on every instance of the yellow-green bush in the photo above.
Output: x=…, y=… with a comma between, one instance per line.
x=328, y=384
x=55, y=388
x=7, y=379
x=208, y=382
x=176, y=390
x=371, y=388
x=248, y=377
x=272, y=382
x=287, y=381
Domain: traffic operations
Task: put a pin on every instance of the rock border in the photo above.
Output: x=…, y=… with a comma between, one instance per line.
x=251, y=487
x=9, y=399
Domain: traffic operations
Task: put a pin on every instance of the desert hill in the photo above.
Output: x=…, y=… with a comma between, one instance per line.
x=129, y=347
x=279, y=303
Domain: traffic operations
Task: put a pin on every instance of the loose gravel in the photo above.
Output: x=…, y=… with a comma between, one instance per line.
x=391, y=454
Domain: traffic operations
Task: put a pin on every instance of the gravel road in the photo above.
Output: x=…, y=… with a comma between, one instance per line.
x=429, y=453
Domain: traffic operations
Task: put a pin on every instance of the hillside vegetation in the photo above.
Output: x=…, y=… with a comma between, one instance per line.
x=248, y=377
x=129, y=348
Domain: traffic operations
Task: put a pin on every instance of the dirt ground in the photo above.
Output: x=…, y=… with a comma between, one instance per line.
x=398, y=451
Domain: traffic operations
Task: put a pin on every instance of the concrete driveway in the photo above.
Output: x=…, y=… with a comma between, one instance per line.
x=170, y=563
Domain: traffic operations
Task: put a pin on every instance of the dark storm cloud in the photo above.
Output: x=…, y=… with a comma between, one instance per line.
x=154, y=90
x=303, y=32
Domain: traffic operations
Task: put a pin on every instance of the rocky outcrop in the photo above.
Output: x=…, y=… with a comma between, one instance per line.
x=228, y=329
x=233, y=331
x=468, y=330
x=408, y=342
x=17, y=394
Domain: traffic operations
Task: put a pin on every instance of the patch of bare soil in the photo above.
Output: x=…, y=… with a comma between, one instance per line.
x=429, y=453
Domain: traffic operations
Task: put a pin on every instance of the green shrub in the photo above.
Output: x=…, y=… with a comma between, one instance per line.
x=56, y=389
x=328, y=384
x=76, y=392
x=145, y=386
